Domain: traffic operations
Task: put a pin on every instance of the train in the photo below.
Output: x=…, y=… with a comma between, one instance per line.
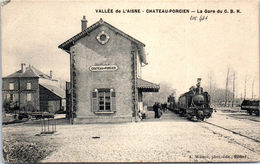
x=171, y=105
x=251, y=106
x=195, y=104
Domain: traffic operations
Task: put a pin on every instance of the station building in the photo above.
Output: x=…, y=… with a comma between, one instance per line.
x=29, y=89
x=105, y=72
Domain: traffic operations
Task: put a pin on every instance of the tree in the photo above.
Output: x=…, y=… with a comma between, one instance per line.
x=234, y=79
x=161, y=96
x=211, y=85
x=253, y=88
x=218, y=95
x=226, y=92
x=246, y=78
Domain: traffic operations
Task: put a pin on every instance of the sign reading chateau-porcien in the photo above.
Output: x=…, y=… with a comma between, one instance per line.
x=103, y=68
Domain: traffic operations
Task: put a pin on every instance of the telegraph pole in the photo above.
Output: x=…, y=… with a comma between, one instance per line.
x=226, y=95
x=253, y=88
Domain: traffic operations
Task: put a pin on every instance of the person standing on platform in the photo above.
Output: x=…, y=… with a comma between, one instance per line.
x=159, y=110
x=155, y=109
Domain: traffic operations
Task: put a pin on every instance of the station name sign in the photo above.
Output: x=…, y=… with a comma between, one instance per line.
x=100, y=68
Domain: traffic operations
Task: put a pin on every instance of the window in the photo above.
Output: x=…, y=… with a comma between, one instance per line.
x=102, y=37
x=103, y=100
x=11, y=86
x=29, y=97
x=10, y=97
x=29, y=86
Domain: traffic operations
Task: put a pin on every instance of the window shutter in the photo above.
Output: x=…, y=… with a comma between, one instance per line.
x=94, y=101
x=113, y=101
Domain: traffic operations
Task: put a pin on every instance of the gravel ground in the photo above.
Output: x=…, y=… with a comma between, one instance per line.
x=169, y=139
x=162, y=140
x=241, y=123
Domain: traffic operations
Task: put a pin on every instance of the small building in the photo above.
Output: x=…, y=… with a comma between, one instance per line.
x=105, y=71
x=31, y=90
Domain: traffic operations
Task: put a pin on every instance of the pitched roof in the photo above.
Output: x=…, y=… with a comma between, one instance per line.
x=147, y=86
x=67, y=44
x=30, y=72
x=57, y=91
x=27, y=73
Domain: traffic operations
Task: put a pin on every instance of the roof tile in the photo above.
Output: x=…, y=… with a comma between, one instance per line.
x=148, y=86
x=29, y=72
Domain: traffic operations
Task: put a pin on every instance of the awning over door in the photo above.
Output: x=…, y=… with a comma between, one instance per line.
x=146, y=86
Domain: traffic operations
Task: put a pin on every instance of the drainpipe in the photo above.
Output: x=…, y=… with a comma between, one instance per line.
x=71, y=89
x=71, y=117
x=136, y=92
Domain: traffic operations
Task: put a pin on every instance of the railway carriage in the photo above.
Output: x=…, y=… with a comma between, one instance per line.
x=171, y=105
x=251, y=106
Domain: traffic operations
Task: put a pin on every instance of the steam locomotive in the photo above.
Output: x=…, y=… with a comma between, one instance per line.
x=195, y=103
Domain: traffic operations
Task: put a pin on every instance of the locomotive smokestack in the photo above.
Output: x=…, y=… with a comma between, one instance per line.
x=198, y=80
x=199, y=89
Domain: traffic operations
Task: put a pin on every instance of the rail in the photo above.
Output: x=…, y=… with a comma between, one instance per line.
x=232, y=131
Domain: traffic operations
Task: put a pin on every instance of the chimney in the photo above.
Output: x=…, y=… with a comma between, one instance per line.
x=84, y=23
x=23, y=67
x=51, y=74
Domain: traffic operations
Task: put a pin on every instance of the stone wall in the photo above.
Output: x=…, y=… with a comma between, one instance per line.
x=89, y=52
x=22, y=82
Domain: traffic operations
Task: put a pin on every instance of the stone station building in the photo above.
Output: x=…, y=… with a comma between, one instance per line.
x=105, y=74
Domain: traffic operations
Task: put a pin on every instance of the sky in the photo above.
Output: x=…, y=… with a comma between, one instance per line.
x=179, y=50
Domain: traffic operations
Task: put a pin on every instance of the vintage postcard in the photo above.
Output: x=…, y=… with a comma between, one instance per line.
x=130, y=81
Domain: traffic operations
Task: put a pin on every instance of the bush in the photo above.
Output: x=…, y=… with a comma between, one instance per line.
x=19, y=150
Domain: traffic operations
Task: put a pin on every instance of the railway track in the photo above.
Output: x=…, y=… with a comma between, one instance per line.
x=247, y=117
x=232, y=131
